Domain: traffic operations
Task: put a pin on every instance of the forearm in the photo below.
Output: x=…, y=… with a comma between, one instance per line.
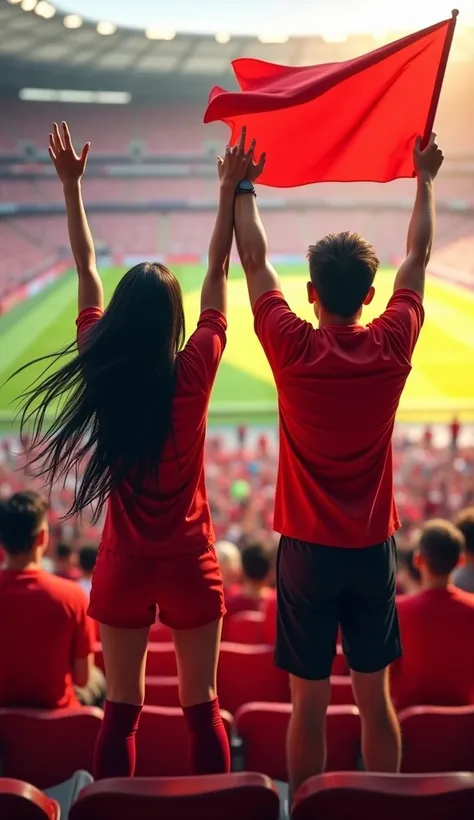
x=422, y=223
x=80, y=237
x=249, y=233
x=221, y=239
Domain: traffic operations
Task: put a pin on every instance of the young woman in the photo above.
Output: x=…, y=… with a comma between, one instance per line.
x=132, y=404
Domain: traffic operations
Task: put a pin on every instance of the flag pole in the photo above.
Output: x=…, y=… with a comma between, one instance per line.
x=439, y=79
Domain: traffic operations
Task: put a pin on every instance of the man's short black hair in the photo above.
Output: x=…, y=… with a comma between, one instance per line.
x=63, y=551
x=441, y=544
x=256, y=562
x=465, y=523
x=22, y=516
x=87, y=558
x=342, y=267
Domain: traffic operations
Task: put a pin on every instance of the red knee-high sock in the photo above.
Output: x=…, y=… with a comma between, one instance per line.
x=210, y=751
x=115, y=753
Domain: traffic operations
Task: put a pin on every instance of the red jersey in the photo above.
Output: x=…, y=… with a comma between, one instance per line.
x=437, y=667
x=172, y=514
x=44, y=628
x=338, y=392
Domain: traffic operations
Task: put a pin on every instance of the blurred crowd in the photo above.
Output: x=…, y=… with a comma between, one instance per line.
x=434, y=478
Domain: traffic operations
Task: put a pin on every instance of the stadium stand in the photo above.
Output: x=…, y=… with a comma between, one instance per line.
x=376, y=795
x=248, y=795
x=152, y=189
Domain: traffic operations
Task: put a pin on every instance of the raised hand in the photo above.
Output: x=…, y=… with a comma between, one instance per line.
x=428, y=160
x=238, y=163
x=69, y=166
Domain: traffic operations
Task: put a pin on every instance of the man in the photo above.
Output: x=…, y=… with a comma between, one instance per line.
x=464, y=576
x=338, y=391
x=65, y=563
x=46, y=639
x=87, y=561
x=254, y=589
x=436, y=626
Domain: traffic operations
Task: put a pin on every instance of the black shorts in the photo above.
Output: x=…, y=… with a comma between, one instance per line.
x=322, y=588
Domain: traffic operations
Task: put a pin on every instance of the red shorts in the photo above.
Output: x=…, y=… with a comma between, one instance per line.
x=126, y=589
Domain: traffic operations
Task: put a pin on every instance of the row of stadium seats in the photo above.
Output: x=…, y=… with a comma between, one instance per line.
x=61, y=741
x=254, y=797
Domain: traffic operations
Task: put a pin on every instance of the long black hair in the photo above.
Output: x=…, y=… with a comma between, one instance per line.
x=112, y=400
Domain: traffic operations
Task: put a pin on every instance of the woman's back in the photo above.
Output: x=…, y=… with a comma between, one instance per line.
x=171, y=513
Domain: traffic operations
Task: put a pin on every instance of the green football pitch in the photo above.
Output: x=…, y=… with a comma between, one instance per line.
x=441, y=382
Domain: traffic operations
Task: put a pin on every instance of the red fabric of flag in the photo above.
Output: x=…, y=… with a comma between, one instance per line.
x=339, y=122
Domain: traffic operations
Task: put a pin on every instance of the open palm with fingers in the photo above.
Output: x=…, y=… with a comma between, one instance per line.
x=239, y=164
x=69, y=166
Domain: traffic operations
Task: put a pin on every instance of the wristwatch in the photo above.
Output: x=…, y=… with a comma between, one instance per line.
x=245, y=187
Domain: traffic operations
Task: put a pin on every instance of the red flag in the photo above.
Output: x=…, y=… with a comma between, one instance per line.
x=343, y=122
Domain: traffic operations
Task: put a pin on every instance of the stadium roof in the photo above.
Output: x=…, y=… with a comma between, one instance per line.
x=44, y=47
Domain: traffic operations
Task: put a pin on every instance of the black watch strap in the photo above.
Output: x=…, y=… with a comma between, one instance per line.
x=245, y=187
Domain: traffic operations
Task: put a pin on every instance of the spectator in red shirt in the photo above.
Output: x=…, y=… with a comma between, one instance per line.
x=254, y=589
x=408, y=575
x=135, y=405
x=437, y=625
x=46, y=639
x=87, y=562
x=65, y=562
x=464, y=575
x=338, y=391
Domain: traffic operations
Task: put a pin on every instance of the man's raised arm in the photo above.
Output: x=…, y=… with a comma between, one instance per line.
x=251, y=238
x=422, y=224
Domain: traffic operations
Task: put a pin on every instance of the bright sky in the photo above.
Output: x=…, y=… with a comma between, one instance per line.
x=327, y=17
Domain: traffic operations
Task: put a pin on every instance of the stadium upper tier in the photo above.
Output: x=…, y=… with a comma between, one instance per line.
x=136, y=190
x=163, y=128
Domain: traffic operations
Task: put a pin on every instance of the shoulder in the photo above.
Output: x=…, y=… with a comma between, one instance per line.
x=87, y=318
x=214, y=320
x=466, y=599
x=69, y=592
x=403, y=303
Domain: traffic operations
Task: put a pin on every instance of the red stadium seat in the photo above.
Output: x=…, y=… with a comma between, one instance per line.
x=438, y=739
x=341, y=690
x=263, y=728
x=159, y=633
x=246, y=673
x=45, y=747
x=161, y=659
x=163, y=742
x=362, y=796
x=244, y=627
x=21, y=801
x=162, y=691
x=242, y=796
x=340, y=666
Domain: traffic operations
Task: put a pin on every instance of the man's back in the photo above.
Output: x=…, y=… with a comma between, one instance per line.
x=437, y=667
x=44, y=628
x=338, y=389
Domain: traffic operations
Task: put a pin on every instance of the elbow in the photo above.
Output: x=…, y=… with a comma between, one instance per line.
x=252, y=262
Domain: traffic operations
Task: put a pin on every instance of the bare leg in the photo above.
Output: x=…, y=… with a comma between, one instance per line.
x=381, y=737
x=197, y=652
x=306, y=741
x=125, y=659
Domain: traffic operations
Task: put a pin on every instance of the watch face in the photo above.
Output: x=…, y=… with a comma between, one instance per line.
x=245, y=185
